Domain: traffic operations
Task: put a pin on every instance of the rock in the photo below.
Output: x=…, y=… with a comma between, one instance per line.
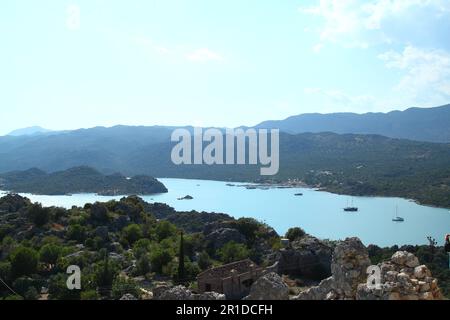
x=412, y=261
x=399, y=258
x=308, y=257
x=349, y=265
x=402, y=279
x=220, y=237
x=128, y=296
x=426, y=296
x=269, y=287
x=163, y=292
x=404, y=258
x=319, y=292
x=175, y=293
x=207, y=296
x=421, y=272
x=158, y=290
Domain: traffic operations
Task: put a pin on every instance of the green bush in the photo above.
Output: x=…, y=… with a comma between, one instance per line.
x=24, y=261
x=50, y=253
x=122, y=286
x=232, y=252
x=132, y=233
x=159, y=258
x=295, y=233
x=38, y=215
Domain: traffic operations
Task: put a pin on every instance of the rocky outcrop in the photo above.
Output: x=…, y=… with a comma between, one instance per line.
x=308, y=257
x=349, y=266
x=269, y=287
x=128, y=296
x=175, y=293
x=218, y=238
x=209, y=296
x=183, y=293
x=402, y=278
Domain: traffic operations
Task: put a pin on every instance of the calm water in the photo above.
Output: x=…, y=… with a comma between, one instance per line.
x=319, y=213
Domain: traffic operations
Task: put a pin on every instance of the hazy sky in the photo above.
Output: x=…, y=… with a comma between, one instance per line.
x=222, y=63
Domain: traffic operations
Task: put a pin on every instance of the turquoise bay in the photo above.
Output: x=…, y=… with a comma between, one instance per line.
x=319, y=213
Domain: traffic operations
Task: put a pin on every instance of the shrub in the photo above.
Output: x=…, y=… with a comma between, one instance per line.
x=38, y=215
x=122, y=286
x=232, y=252
x=50, y=253
x=295, y=233
x=24, y=261
x=132, y=233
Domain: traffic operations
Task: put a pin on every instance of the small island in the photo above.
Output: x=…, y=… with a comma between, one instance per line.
x=188, y=197
x=79, y=180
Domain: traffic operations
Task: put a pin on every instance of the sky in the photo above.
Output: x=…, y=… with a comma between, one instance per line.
x=85, y=63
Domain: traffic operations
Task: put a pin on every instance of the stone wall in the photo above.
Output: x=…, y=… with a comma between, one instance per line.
x=402, y=277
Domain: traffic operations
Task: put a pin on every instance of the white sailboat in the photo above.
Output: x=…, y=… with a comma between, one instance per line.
x=397, y=218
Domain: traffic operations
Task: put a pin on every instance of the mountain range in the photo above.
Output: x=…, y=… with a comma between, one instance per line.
x=358, y=164
x=29, y=131
x=421, y=124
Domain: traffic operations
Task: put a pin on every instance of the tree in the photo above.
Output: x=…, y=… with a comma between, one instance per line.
x=58, y=288
x=204, y=261
x=76, y=232
x=132, y=233
x=143, y=265
x=105, y=272
x=99, y=213
x=295, y=233
x=50, y=253
x=164, y=230
x=38, y=215
x=233, y=251
x=122, y=286
x=248, y=227
x=141, y=247
x=181, y=270
x=24, y=261
x=159, y=258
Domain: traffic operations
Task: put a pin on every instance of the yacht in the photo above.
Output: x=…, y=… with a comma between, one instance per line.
x=351, y=208
x=397, y=218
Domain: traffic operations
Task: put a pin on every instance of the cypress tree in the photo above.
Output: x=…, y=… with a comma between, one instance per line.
x=181, y=268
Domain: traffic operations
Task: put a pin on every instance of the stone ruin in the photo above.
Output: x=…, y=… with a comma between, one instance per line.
x=402, y=277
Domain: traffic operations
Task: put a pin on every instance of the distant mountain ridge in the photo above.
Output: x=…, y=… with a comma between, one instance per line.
x=420, y=124
x=29, y=131
x=349, y=164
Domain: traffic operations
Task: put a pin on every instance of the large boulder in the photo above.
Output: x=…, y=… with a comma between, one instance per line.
x=209, y=296
x=349, y=266
x=128, y=296
x=175, y=293
x=308, y=257
x=402, y=278
x=218, y=238
x=269, y=287
x=164, y=292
